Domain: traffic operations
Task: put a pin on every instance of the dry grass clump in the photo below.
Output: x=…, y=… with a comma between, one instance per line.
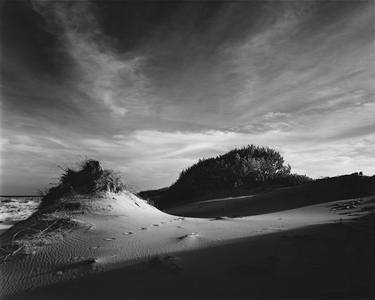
x=90, y=178
x=40, y=230
x=54, y=215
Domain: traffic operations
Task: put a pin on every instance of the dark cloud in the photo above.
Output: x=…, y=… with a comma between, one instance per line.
x=26, y=43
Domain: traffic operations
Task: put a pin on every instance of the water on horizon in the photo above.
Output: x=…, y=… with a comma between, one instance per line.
x=14, y=209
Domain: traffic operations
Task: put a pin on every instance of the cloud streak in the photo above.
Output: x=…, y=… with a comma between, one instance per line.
x=100, y=72
x=151, y=158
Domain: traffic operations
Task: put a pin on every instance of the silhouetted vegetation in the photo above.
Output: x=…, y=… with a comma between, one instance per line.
x=246, y=168
x=89, y=178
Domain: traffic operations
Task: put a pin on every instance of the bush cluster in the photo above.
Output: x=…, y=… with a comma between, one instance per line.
x=248, y=167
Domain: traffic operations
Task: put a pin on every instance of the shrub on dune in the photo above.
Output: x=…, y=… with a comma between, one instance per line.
x=89, y=178
x=247, y=167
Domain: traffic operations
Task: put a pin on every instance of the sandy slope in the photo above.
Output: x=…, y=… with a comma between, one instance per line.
x=320, y=191
x=121, y=245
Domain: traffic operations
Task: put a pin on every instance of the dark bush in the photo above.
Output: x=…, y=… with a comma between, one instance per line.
x=245, y=168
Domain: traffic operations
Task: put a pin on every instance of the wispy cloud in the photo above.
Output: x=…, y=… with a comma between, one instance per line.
x=151, y=158
x=107, y=77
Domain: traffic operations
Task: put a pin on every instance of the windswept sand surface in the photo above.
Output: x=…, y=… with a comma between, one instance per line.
x=124, y=248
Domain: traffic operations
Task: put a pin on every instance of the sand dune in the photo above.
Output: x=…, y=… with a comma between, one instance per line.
x=124, y=245
x=321, y=191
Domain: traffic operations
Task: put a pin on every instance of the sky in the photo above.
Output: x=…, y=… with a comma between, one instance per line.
x=150, y=87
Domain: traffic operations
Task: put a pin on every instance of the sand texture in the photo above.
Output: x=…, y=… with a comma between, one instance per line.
x=116, y=246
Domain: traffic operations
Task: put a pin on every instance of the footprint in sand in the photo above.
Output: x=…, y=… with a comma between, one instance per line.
x=143, y=228
x=179, y=226
x=167, y=263
x=109, y=239
x=155, y=225
x=220, y=218
x=190, y=235
x=127, y=233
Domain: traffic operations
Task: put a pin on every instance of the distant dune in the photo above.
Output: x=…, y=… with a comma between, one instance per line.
x=99, y=241
x=315, y=192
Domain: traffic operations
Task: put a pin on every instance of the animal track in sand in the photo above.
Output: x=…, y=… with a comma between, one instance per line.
x=155, y=225
x=143, y=228
x=128, y=233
